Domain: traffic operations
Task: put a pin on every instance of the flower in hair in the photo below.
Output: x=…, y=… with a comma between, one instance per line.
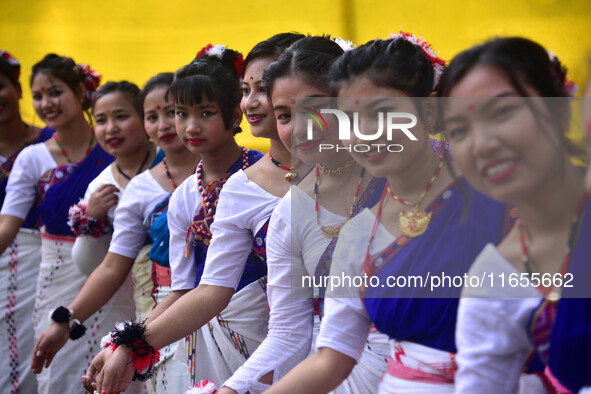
x=203, y=387
x=92, y=79
x=238, y=64
x=218, y=51
x=570, y=86
x=437, y=62
x=344, y=44
x=14, y=63
x=212, y=51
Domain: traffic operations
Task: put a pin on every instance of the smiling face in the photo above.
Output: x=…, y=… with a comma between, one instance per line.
x=255, y=104
x=159, y=121
x=9, y=96
x=118, y=127
x=54, y=102
x=504, y=148
x=201, y=126
x=292, y=127
x=362, y=96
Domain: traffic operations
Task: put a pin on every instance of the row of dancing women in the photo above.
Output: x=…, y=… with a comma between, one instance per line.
x=165, y=258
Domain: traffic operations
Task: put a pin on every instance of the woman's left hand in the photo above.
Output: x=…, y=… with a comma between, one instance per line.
x=117, y=372
x=95, y=367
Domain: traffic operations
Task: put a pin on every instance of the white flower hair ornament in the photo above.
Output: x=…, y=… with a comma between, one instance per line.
x=344, y=44
x=212, y=51
x=437, y=62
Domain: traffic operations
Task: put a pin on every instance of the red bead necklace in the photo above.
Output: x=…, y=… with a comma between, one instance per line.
x=208, y=204
x=291, y=173
x=168, y=174
x=64, y=151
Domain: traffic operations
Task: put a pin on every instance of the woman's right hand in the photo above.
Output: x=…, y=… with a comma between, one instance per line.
x=101, y=200
x=48, y=344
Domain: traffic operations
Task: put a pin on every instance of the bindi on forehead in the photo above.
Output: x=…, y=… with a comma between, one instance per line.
x=157, y=107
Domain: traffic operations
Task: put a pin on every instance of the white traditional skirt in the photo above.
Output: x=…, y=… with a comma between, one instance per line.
x=219, y=348
x=367, y=373
x=172, y=376
x=19, y=267
x=58, y=284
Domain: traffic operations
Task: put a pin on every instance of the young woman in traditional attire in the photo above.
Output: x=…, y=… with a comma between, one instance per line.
x=52, y=176
x=19, y=264
x=510, y=143
x=141, y=205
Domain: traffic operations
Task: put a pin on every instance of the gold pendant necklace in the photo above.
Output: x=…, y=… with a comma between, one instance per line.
x=414, y=223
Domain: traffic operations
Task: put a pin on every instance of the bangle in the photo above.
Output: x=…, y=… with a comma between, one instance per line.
x=81, y=224
x=145, y=356
x=61, y=314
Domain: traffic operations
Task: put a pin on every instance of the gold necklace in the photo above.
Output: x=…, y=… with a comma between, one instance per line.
x=414, y=223
x=333, y=231
x=337, y=171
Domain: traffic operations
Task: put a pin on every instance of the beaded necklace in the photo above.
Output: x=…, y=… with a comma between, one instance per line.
x=291, y=173
x=208, y=204
x=168, y=174
x=554, y=293
x=64, y=151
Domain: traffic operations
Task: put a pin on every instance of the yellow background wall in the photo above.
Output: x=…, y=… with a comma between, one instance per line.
x=133, y=39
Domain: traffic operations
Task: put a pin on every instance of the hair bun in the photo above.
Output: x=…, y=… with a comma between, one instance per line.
x=226, y=56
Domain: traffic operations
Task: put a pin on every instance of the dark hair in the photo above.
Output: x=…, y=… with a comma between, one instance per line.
x=272, y=47
x=65, y=69
x=159, y=80
x=129, y=89
x=394, y=63
x=11, y=72
x=213, y=78
x=524, y=63
x=309, y=57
